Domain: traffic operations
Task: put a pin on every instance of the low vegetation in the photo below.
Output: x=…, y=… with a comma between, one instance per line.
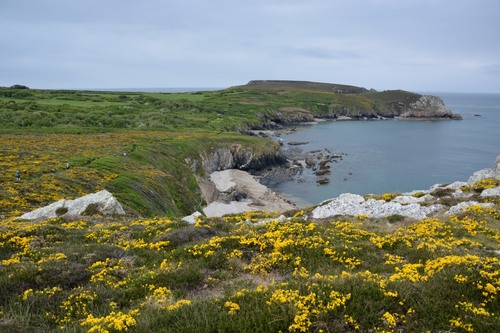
x=251, y=273
x=254, y=272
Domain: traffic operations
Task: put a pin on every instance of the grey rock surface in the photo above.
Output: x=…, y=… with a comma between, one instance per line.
x=191, y=219
x=353, y=204
x=459, y=208
x=486, y=173
x=106, y=204
x=491, y=192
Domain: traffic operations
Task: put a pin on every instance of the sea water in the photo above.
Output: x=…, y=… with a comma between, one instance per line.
x=397, y=156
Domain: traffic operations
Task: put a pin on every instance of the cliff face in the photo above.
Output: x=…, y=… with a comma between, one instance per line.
x=236, y=156
x=389, y=104
x=233, y=156
x=429, y=107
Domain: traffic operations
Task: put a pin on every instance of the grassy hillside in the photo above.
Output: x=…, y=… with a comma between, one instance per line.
x=148, y=171
x=222, y=275
x=137, y=144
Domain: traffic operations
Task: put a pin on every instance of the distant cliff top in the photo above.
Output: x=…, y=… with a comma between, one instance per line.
x=304, y=85
x=353, y=102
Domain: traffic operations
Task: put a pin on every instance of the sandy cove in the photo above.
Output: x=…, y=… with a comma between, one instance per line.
x=235, y=191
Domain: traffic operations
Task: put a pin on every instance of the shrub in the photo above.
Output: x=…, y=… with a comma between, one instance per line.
x=187, y=234
x=442, y=192
x=395, y=218
x=481, y=185
x=61, y=211
x=91, y=210
x=388, y=196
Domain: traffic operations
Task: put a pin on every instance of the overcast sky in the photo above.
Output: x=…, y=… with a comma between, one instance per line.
x=417, y=45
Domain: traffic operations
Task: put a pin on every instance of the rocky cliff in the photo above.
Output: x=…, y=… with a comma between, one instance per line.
x=388, y=104
x=428, y=107
x=335, y=101
x=236, y=156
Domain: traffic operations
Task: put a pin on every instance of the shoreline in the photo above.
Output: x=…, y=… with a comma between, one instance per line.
x=234, y=191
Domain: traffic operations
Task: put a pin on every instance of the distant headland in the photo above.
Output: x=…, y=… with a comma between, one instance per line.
x=353, y=103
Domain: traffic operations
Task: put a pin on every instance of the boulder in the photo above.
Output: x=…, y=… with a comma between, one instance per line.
x=408, y=199
x=102, y=202
x=191, y=219
x=491, y=192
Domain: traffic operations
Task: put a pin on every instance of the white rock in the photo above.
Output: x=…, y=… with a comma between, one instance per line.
x=481, y=174
x=105, y=201
x=461, y=194
x=217, y=208
x=456, y=185
x=491, y=192
x=407, y=199
x=416, y=191
x=191, y=219
x=435, y=187
x=427, y=197
x=459, y=208
x=353, y=204
x=486, y=173
x=222, y=180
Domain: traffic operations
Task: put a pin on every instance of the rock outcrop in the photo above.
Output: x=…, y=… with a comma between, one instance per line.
x=347, y=102
x=353, y=204
x=235, y=156
x=429, y=107
x=102, y=202
x=415, y=204
x=236, y=191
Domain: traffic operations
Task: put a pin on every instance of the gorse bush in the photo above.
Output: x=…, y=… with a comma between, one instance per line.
x=223, y=275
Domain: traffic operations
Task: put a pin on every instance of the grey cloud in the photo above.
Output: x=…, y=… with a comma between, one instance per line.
x=319, y=53
x=377, y=43
x=493, y=69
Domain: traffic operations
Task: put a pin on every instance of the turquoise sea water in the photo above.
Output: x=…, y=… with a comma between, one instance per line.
x=397, y=156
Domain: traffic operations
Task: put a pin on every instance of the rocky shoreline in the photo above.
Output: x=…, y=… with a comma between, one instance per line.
x=440, y=199
x=444, y=199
